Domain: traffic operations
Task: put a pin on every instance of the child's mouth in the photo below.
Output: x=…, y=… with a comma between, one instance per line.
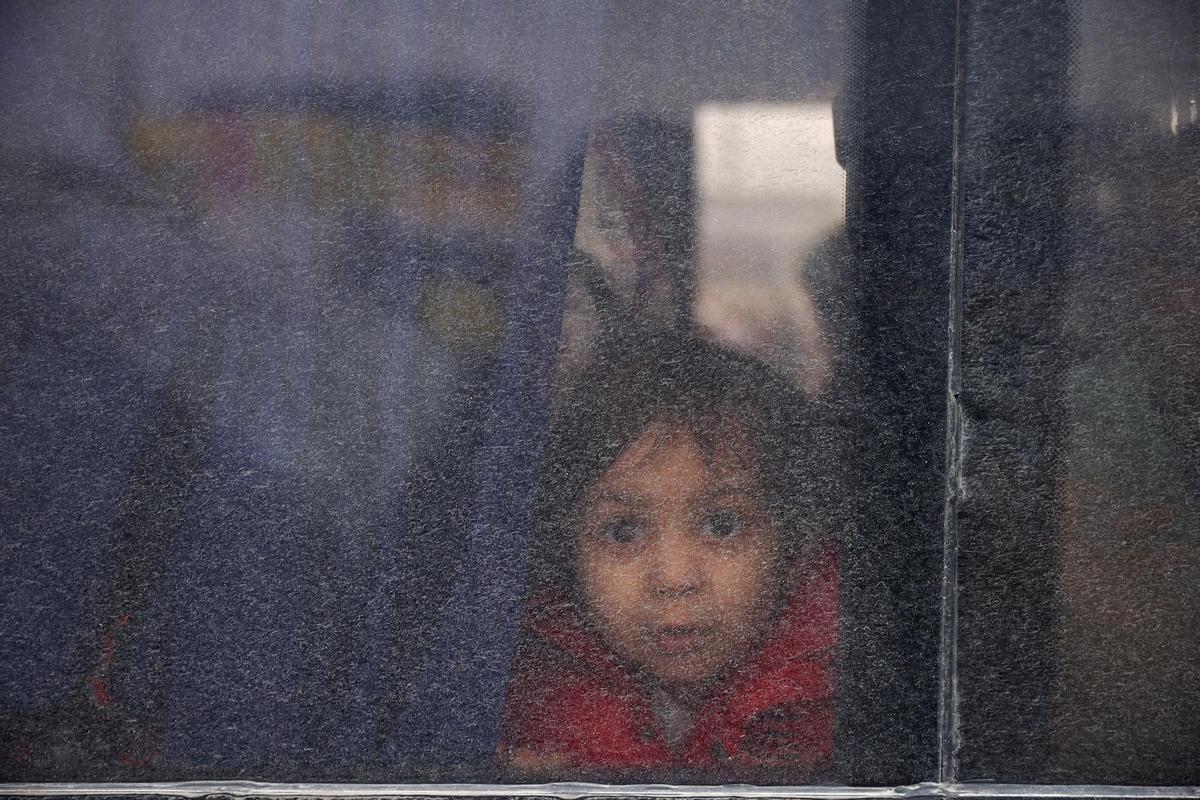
x=679, y=639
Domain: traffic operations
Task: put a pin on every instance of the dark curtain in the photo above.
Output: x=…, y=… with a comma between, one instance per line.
x=283, y=288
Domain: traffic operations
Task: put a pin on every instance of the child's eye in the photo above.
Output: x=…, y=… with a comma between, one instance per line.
x=621, y=530
x=723, y=524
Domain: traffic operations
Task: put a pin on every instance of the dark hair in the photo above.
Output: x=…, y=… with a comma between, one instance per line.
x=683, y=380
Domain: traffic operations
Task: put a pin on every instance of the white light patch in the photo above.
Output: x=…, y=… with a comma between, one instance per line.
x=771, y=194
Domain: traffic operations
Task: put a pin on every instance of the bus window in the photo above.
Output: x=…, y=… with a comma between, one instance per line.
x=356, y=358
x=793, y=394
x=1078, y=649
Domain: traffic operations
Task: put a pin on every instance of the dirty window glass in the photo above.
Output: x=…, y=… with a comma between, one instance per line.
x=472, y=392
x=1078, y=643
x=780, y=393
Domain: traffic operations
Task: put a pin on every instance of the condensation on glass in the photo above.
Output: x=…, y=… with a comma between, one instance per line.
x=1079, y=654
x=509, y=393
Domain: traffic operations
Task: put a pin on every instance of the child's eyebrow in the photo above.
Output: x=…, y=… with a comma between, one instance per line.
x=612, y=495
x=732, y=490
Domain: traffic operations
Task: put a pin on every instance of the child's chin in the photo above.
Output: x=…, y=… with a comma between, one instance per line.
x=684, y=674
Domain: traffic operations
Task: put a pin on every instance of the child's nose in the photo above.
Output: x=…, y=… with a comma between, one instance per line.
x=676, y=568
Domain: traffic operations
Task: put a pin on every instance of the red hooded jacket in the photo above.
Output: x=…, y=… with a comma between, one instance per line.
x=573, y=708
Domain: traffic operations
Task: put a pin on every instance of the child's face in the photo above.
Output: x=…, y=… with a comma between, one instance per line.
x=678, y=560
